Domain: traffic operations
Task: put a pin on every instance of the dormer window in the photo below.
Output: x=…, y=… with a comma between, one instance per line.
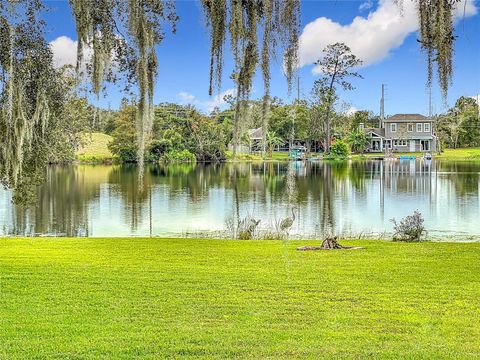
x=426, y=127
x=419, y=127
x=393, y=127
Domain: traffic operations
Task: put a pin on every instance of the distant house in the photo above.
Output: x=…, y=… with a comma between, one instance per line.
x=403, y=133
x=255, y=137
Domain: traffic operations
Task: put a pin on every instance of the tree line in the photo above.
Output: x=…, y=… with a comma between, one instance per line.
x=123, y=35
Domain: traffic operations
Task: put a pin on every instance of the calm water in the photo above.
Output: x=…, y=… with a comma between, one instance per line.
x=351, y=198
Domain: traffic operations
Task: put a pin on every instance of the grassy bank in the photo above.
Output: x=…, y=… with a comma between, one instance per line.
x=276, y=155
x=460, y=154
x=467, y=154
x=125, y=298
x=95, y=149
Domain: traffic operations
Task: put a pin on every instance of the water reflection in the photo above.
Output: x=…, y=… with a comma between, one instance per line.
x=346, y=197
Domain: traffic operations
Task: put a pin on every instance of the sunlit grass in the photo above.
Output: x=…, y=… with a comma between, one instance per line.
x=157, y=298
x=461, y=154
x=276, y=155
x=95, y=148
x=447, y=154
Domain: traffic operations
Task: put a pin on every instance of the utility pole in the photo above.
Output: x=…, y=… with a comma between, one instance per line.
x=478, y=105
x=382, y=106
x=430, y=102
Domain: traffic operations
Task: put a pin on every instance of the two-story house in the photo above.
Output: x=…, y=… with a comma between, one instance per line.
x=403, y=133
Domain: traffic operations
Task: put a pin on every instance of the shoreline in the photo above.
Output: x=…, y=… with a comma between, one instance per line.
x=437, y=240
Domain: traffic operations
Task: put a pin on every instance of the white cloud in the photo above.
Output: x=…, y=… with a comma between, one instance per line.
x=371, y=38
x=186, y=97
x=218, y=100
x=208, y=105
x=64, y=51
x=351, y=111
x=367, y=5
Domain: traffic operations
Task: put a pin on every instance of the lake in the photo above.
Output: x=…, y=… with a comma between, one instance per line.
x=351, y=198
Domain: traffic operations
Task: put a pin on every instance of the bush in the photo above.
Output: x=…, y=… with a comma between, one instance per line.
x=338, y=150
x=175, y=156
x=125, y=153
x=244, y=229
x=158, y=148
x=410, y=228
x=175, y=138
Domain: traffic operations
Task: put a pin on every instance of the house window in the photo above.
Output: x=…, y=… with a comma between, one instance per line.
x=394, y=142
x=393, y=127
x=426, y=127
x=410, y=127
x=419, y=127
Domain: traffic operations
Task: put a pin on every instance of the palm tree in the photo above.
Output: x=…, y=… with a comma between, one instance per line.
x=272, y=141
x=358, y=140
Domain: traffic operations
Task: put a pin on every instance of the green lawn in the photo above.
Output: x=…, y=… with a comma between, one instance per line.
x=157, y=298
x=276, y=155
x=95, y=148
x=461, y=154
x=448, y=154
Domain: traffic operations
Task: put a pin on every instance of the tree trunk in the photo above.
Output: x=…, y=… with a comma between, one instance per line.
x=327, y=132
x=327, y=121
x=236, y=119
x=265, y=108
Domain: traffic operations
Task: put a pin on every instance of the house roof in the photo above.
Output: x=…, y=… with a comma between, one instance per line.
x=377, y=131
x=407, y=117
x=255, y=134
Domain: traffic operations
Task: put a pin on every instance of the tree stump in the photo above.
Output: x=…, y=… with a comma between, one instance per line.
x=329, y=243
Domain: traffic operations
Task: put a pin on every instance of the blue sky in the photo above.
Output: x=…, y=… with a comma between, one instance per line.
x=376, y=32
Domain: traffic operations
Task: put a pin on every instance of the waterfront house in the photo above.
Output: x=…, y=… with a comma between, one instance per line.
x=403, y=133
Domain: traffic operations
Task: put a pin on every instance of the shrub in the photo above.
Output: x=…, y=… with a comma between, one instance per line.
x=410, y=228
x=125, y=153
x=175, y=156
x=244, y=229
x=158, y=148
x=338, y=150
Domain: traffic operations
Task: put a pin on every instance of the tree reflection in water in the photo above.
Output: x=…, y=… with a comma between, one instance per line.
x=341, y=197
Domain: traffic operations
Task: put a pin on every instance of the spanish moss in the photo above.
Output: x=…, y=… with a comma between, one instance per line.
x=24, y=62
x=126, y=32
x=280, y=22
x=437, y=39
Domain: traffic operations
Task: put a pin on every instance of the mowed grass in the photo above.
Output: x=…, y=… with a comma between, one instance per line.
x=160, y=298
x=461, y=154
x=95, y=148
x=276, y=156
x=466, y=154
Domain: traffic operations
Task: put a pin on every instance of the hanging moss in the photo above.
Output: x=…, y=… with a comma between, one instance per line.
x=436, y=38
x=280, y=22
x=29, y=90
x=128, y=32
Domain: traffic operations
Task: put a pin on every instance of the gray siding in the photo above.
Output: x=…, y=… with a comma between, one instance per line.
x=403, y=133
